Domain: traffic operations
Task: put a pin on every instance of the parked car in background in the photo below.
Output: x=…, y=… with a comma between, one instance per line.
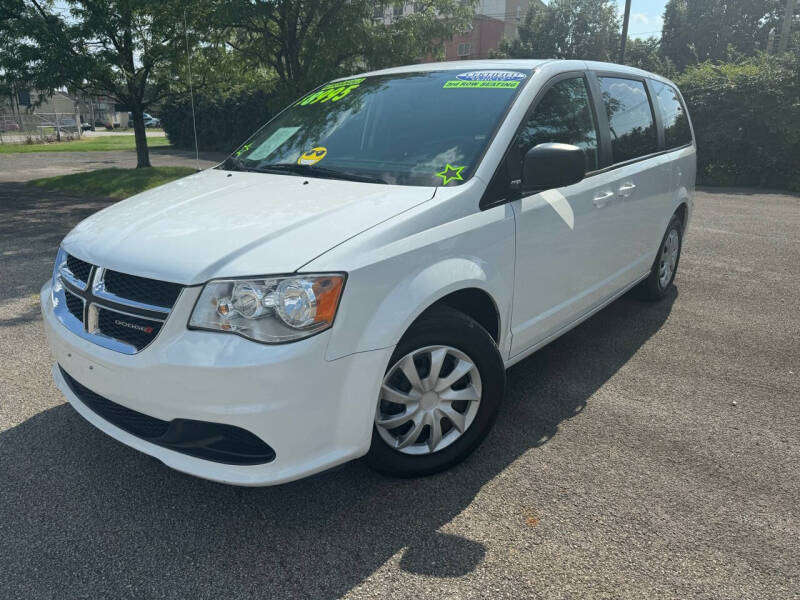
x=149, y=120
x=355, y=279
x=68, y=123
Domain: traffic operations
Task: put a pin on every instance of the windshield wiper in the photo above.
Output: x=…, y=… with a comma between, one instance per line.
x=235, y=164
x=313, y=171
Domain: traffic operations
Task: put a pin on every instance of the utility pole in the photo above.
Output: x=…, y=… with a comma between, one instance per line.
x=624, y=39
x=786, y=26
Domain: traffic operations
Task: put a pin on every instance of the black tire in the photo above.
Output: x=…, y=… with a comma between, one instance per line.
x=653, y=288
x=447, y=327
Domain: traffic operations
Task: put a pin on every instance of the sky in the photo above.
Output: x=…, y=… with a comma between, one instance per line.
x=645, y=17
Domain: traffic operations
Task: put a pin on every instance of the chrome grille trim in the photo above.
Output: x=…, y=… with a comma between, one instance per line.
x=67, y=276
x=99, y=290
x=95, y=297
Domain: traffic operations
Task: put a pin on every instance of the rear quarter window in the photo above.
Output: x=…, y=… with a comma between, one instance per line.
x=630, y=118
x=673, y=114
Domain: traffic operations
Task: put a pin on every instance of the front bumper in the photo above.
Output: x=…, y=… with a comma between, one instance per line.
x=314, y=413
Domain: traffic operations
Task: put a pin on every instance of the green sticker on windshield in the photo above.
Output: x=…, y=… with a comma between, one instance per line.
x=450, y=173
x=455, y=83
x=331, y=92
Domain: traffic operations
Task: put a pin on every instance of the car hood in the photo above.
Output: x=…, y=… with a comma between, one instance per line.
x=228, y=224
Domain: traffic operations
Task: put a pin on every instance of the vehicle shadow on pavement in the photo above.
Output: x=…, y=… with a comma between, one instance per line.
x=83, y=514
x=33, y=223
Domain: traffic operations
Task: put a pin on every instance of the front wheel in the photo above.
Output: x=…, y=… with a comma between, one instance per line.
x=662, y=273
x=439, y=397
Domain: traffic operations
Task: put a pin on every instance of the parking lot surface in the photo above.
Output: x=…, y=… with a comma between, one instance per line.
x=15, y=168
x=652, y=452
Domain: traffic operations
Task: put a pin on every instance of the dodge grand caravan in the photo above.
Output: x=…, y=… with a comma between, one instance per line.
x=355, y=279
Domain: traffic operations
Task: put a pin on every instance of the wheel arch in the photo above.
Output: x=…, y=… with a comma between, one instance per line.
x=474, y=302
x=458, y=282
x=683, y=212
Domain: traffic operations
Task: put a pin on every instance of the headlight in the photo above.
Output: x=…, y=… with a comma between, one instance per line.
x=61, y=260
x=273, y=310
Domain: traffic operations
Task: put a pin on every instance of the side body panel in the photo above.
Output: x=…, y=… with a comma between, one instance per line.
x=565, y=265
x=397, y=270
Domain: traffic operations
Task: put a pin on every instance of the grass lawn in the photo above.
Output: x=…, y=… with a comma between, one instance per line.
x=106, y=142
x=114, y=182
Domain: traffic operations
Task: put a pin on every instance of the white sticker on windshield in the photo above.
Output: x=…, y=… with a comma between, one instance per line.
x=491, y=76
x=272, y=143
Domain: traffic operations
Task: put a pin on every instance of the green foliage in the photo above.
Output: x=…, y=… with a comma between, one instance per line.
x=118, y=141
x=646, y=54
x=109, y=47
x=307, y=43
x=746, y=118
x=19, y=53
x=700, y=30
x=223, y=123
x=260, y=56
x=580, y=29
x=113, y=182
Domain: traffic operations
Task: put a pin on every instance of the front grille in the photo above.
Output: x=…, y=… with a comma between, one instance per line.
x=126, y=328
x=142, y=289
x=75, y=305
x=218, y=442
x=79, y=269
x=115, y=310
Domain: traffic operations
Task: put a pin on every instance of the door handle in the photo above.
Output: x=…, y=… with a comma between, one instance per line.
x=626, y=189
x=601, y=199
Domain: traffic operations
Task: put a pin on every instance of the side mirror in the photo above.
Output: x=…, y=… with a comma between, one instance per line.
x=548, y=166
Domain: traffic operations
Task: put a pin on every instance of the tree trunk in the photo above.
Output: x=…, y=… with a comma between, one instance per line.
x=142, y=153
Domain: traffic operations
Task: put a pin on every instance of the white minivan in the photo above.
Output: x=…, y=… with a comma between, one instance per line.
x=355, y=279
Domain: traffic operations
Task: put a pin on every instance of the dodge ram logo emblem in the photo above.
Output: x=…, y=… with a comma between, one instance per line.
x=144, y=328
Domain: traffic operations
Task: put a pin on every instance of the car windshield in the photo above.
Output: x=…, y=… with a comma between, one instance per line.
x=427, y=128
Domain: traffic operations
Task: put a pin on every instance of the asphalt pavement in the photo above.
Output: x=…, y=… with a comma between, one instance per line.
x=652, y=452
x=15, y=168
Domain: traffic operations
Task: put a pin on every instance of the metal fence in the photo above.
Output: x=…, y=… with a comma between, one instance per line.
x=37, y=127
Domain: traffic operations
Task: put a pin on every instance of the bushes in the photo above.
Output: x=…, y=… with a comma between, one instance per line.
x=222, y=124
x=746, y=117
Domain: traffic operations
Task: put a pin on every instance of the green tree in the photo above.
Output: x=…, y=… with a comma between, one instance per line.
x=18, y=55
x=580, y=29
x=306, y=43
x=112, y=47
x=698, y=30
x=646, y=54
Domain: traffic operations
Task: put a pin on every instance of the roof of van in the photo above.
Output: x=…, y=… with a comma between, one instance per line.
x=509, y=63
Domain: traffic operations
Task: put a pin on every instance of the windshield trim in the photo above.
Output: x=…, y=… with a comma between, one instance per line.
x=529, y=72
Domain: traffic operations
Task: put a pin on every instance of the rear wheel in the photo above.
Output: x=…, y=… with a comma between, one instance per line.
x=665, y=265
x=439, y=397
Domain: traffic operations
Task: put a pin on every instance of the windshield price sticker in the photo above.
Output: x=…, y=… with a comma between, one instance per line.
x=331, y=92
x=487, y=79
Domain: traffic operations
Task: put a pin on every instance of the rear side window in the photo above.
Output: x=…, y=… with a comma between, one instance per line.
x=630, y=118
x=564, y=115
x=676, y=122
